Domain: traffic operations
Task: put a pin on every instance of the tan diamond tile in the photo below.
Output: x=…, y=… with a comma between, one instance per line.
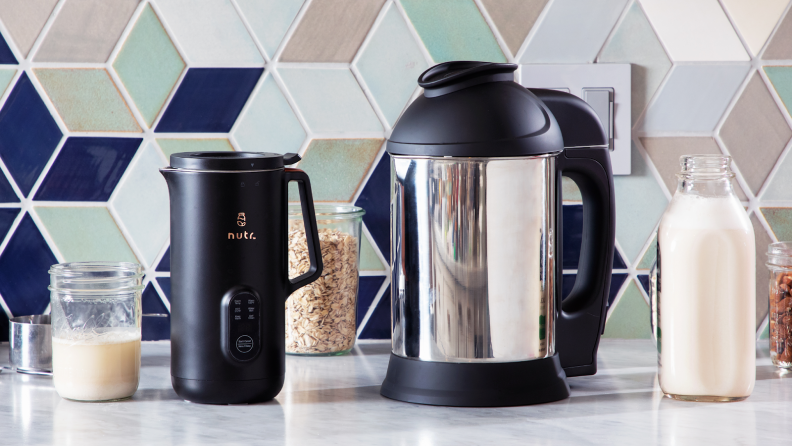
x=331, y=31
x=514, y=19
x=779, y=47
x=24, y=20
x=665, y=153
x=762, y=274
x=755, y=133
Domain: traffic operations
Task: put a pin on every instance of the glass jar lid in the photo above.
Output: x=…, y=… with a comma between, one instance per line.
x=779, y=255
x=328, y=211
x=96, y=278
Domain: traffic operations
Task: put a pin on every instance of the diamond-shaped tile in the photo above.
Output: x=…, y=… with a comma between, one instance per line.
x=635, y=42
x=375, y=199
x=781, y=79
x=694, y=31
x=368, y=288
x=391, y=64
x=28, y=134
x=85, y=234
x=6, y=55
x=780, y=220
x=6, y=76
x=629, y=319
x=337, y=167
x=165, y=285
x=617, y=280
x=765, y=334
x=331, y=30
x=665, y=153
x=209, y=99
x=24, y=267
x=148, y=65
x=7, y=217
x=87, y=169
x=269, y=20
x=755, y=20
x=379, y=324
x=639, y=204
x=650, y=255
x=755, y=133
x=369, y=261
x=573, y=31
x=269, y=123
x=645, y=282
x=762, y=239
x=24, y=20
x=85, y=31
x=453, y=30
x=142, y=205
x=694, y=98
x=780, y=187
x=778, y=47
x=169, y=146
x=210, y=32
x=330, y=99
x=164, y=264
x=7, y=194
x=154, y=328
x=87, y=100
x=573, y=238
x=514, y=19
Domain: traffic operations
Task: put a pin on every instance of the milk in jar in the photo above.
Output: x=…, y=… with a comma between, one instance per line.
x=705, y=287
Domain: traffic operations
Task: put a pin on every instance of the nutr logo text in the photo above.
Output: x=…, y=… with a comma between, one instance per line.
x=241, y=221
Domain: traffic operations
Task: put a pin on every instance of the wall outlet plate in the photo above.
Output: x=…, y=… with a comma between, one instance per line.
x=606, y=87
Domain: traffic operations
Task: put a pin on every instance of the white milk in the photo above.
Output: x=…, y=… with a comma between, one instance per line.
x=707, y=312
x=97, y=367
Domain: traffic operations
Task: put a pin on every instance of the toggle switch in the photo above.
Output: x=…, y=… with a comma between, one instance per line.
x=601, y=100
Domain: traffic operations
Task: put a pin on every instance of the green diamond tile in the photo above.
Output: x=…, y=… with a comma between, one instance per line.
x=765, y=334
x=87, y=100
x=85, y=234
x=337, y=167
x=369, y=261
x=269, y=20
x=453, y=30
x=269, y=123
x=780, y=221
x=781, y=78
x=630, y=318
x=148, y=65
x=6, y=76
x=170, y=146
x=650, y=255
x=780, y=187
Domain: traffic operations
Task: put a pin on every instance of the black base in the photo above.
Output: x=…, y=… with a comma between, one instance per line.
x=475, y=384
x=227, y=392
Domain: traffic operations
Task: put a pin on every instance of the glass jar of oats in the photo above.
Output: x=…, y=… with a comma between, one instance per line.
x=321, y=316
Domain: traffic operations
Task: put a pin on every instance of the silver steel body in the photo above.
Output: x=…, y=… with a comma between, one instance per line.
x=472, y=258
x=31, y=344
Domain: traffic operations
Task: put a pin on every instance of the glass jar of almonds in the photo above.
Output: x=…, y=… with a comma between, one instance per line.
x=779, y=261
x=321, y=317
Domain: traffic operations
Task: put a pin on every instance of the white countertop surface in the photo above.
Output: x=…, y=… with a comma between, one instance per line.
x=336, y=400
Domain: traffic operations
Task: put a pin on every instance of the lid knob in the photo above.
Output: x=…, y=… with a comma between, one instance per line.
x=448, y=77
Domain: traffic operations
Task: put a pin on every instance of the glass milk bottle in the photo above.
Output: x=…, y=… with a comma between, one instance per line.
x=704, y=292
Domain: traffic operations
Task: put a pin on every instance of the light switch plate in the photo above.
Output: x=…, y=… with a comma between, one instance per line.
x=606, y=87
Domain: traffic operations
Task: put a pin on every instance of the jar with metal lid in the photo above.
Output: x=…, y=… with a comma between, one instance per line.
x=321, y=317
x=96, y=331
x=779, y=262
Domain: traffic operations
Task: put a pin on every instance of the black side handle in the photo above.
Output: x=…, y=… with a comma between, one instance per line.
x=581, y=316
x=311, y=232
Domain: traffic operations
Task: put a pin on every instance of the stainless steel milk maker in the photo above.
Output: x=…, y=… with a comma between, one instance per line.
x=476, y=166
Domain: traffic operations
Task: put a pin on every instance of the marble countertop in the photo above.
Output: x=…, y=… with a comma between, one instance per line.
x=336, y=400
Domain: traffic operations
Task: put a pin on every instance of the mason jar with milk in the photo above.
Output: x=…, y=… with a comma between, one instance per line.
x=96, y=334
x=704, y=289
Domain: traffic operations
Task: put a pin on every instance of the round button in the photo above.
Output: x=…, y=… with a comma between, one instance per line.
x=244, y=343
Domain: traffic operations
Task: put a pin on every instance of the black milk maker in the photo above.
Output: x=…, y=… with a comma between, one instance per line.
x=476, y=267
x=229, y=272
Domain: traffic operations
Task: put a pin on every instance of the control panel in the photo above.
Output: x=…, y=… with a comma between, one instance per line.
x=242, y=314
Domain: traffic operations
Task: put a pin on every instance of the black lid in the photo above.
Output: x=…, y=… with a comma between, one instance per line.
x=475, y=109
x=232, y=161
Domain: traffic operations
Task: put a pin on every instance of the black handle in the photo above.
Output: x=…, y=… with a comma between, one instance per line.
x=311, y=232
x=581, y=316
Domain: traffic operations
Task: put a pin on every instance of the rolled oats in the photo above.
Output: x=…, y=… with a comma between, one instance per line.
x=320, y=317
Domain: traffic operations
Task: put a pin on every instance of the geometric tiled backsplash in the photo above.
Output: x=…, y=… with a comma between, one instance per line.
x=96, y=94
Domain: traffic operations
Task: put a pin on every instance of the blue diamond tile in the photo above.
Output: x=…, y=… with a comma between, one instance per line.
x=7, y=217
x=368, y=287
x=87, y=169
x=164, y=283
x=164, y=264
x=568, y=281
x=379, y=324
x=7, y=194
x=209, y=100
x=573, y=238
x=28, y=134
x=375, y=199
x=6, y=56
x=24, y=267
x=154, y=328
x=644, y=280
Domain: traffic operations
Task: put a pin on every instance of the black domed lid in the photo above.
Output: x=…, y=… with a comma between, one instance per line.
x=231, y=161
x=475, y=109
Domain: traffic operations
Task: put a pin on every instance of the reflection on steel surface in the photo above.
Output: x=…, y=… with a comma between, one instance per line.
x=472, y=258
